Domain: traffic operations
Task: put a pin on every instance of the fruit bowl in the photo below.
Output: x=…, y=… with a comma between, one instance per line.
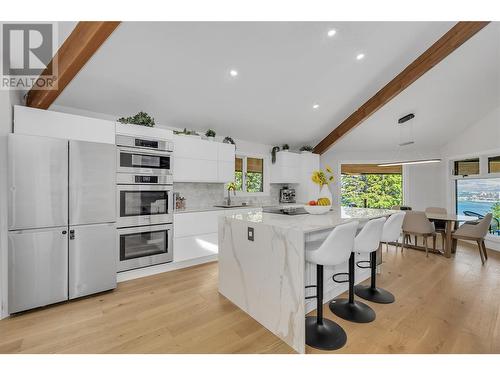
x=317, y=210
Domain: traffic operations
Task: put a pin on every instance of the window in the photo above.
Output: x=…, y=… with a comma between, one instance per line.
x=494, y=164
x=466, y=167
x=378, y=187
x=249, y=174
x=477, y=197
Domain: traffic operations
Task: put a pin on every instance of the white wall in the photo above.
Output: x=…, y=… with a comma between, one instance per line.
x=7, y=100
x=481, y=137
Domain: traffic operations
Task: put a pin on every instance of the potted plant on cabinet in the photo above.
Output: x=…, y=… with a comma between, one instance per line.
x=306, y=149
x=210, y=134
x=141, y=118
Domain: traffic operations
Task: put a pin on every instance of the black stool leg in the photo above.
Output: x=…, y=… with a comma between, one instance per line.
x=372, y=293
x=323, y=333
x=349, y=309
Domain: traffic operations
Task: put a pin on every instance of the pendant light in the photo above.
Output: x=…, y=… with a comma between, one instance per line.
x=406, y=126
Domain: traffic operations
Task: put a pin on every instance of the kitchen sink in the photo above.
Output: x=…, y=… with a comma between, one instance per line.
x=230, y=206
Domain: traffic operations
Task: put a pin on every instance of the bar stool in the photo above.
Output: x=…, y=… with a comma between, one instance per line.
x=367, y=241
x=390, y=233
x=323, y=333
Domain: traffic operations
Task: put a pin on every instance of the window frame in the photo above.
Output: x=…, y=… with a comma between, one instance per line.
x=265, y=177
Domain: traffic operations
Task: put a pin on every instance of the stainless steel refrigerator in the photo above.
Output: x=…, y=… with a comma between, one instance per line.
x=62, y=237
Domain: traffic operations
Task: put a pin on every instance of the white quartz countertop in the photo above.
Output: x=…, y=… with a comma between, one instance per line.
x=213, y=208
x=311, y=223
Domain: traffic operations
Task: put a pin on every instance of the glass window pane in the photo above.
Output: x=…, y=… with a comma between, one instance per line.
x=379, y=190
x=255, y=182
x=466, y=167
x=477, y=197
x=238, y=179
x=494, y=164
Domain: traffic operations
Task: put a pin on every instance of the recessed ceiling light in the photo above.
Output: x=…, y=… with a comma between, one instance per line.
x=233, y=73
x=360, y=56
x=332, y=32
x=315, y=106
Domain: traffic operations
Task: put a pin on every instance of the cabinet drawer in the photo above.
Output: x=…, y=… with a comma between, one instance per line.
x=192, y=247
x=193, y=223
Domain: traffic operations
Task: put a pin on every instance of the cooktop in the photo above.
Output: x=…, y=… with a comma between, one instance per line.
x=285, y=211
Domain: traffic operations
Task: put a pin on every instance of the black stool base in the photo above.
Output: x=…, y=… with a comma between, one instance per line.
x=377, y=295
x=327, y=336
x=356, y=311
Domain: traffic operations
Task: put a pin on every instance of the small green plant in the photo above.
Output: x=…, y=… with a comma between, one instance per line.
x=229, y=140
x=141, y=118
x=285, y=147
x=210, y=133
x=185, y=132
x=306, y=148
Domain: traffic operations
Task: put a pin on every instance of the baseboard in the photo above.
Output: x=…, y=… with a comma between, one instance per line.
x=160, y=268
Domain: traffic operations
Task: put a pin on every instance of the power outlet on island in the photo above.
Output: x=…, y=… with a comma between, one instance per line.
x=250, y=234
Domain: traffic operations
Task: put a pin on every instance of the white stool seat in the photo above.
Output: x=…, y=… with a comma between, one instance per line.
x=392, y=227
x=336, y=248
x=313, y=245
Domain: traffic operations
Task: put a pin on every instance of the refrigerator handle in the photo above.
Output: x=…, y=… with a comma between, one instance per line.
x=72, y=234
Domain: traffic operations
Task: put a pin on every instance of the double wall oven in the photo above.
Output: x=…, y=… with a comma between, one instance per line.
x=144, y=194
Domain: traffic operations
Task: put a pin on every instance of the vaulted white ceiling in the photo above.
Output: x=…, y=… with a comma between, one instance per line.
x=455, y=94
x=179, y=73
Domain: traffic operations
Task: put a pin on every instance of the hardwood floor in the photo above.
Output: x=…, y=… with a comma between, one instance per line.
x=442, y=306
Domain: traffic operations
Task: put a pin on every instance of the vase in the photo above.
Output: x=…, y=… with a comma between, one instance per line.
x=324, y=192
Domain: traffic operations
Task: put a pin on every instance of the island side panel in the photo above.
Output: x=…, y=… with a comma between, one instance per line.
x=265, y=277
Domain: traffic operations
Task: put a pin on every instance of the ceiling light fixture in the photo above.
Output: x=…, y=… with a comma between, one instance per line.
x=410, y=162
x=332, y=32
x=360, y=56
x=233, y=73
x=315, y=106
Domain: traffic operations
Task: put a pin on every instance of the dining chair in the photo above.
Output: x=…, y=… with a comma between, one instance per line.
x=439, y=225
x=417, y=224
x=475, y=231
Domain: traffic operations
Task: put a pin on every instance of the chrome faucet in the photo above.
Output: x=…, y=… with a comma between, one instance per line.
x=230, y=187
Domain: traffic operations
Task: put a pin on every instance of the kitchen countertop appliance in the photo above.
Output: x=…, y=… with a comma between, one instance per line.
x=144, y=201
x=287, y=195
x=61, y=220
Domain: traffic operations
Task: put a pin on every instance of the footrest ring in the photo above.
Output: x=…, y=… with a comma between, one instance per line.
x=341, y=274
x=363, y=262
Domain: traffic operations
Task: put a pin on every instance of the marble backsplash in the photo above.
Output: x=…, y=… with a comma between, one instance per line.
x=202, y=195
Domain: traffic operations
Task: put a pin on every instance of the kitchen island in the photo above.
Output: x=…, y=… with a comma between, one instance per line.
x=262, y=267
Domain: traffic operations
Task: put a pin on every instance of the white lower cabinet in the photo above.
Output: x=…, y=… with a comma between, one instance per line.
x=197, y=246
x=196, y=233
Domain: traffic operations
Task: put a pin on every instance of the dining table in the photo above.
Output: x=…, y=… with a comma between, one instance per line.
x=451, y=224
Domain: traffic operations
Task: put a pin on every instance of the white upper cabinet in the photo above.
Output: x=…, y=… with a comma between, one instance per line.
x=32, y=121
x=286, y=169
x=198, y=160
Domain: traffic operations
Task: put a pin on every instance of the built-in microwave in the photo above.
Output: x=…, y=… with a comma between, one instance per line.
x=140, y=161
x=144, y=246
x=140, y=204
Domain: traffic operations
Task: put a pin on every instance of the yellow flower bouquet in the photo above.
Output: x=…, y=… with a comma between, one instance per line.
x=323, y=177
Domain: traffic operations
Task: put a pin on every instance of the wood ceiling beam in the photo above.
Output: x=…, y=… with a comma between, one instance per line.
x=76, y=50
x=448, y=43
